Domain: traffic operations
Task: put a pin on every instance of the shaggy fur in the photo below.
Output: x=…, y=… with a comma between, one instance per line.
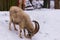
x=18, y=16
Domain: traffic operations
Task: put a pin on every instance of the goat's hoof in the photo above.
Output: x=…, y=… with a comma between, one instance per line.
x=20, y=36
x=28, y=36
x=16, y=29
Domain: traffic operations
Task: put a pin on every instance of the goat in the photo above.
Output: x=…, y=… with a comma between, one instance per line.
x=18, y=16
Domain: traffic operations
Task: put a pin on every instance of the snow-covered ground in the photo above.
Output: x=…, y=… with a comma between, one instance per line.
x=49, y=20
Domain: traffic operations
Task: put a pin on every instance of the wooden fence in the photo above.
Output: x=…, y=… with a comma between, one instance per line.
x=5, y=4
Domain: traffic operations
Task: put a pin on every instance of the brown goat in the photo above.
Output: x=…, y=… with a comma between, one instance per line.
x=18, y=16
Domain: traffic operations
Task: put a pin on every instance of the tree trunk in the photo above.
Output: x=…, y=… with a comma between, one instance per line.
x=45, y=4
x=31, y=1
x=56, y=4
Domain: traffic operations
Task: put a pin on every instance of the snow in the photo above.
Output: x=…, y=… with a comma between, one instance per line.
x=38, y=4
x=49, y=20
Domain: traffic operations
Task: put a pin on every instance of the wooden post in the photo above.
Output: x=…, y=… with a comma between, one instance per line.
x=56, y=2
x=18, y=3
x=22, y=4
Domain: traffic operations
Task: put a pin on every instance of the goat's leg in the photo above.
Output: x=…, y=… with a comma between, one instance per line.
x=21, y=26
x=10, y=22
x=10, y=25
x=29, y=35
x=24, y=32
x=20, y=32
x=15, y=27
